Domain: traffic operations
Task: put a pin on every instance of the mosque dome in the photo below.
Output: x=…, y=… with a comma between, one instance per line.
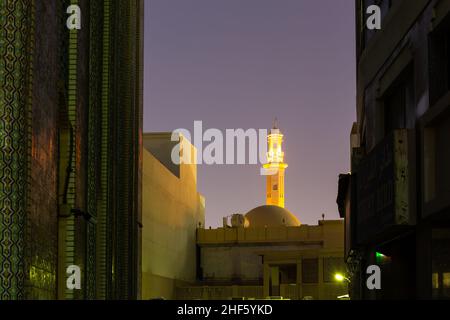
x=271, y=216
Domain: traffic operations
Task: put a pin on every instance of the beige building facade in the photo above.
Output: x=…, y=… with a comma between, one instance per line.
x=172, y=210
x=289, y=262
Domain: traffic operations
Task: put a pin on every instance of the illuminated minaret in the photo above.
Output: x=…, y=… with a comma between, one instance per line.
x=275, y=168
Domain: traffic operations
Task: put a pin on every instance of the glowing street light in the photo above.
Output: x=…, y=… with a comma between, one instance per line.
x=340, y=277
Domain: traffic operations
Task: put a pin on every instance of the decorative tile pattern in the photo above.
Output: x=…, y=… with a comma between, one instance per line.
x=15, y=29
x=89, y=168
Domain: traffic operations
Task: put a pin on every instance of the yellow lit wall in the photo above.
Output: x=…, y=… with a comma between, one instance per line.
x=171, y=212
x=251, y=255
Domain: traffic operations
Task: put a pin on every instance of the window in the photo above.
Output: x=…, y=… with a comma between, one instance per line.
x=439, y=50
x=399, y=102
x=288, y=274
x=440, y=276
x=275, y=187
x=310, y=270
x=395, y=110
x=436, y=175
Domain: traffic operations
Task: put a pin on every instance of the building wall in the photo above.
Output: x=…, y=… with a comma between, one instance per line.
x=239, y=262
x=327, y=232
x=29, y=112
x=172, y=210
x=41, y=222
x=403, y=84
x=70, y=106
x=315, y=282
x=225, y=264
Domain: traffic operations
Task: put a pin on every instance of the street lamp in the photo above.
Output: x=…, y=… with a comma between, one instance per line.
x=341, y=278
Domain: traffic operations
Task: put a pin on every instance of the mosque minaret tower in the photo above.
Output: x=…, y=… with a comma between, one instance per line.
x=273, y=213
x=275, y=168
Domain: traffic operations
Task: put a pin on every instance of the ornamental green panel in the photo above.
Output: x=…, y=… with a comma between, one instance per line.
x=68, y=157
x=104, y=264
x=16, y=28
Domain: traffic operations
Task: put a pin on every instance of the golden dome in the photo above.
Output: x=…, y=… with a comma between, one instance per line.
x=271, y=216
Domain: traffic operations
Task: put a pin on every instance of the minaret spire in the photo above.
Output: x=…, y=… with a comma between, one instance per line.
x=275, y=123
x=276, y=165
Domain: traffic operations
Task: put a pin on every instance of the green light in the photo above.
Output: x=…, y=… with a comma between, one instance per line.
x=381, y=258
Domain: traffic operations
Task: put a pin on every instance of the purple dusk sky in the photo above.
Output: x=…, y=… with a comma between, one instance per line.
x=240, y=64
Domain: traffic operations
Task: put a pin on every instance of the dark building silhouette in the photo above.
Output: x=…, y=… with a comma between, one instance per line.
x=70, y=159
x=396, y=201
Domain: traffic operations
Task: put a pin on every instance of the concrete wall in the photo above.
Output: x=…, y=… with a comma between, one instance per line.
x=330, y=233
x=236, y=259
x=244, y=264
x=172, y=209
x=235, y=254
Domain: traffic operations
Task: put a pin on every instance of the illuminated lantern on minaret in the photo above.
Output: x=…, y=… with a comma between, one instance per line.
x=275, y=168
